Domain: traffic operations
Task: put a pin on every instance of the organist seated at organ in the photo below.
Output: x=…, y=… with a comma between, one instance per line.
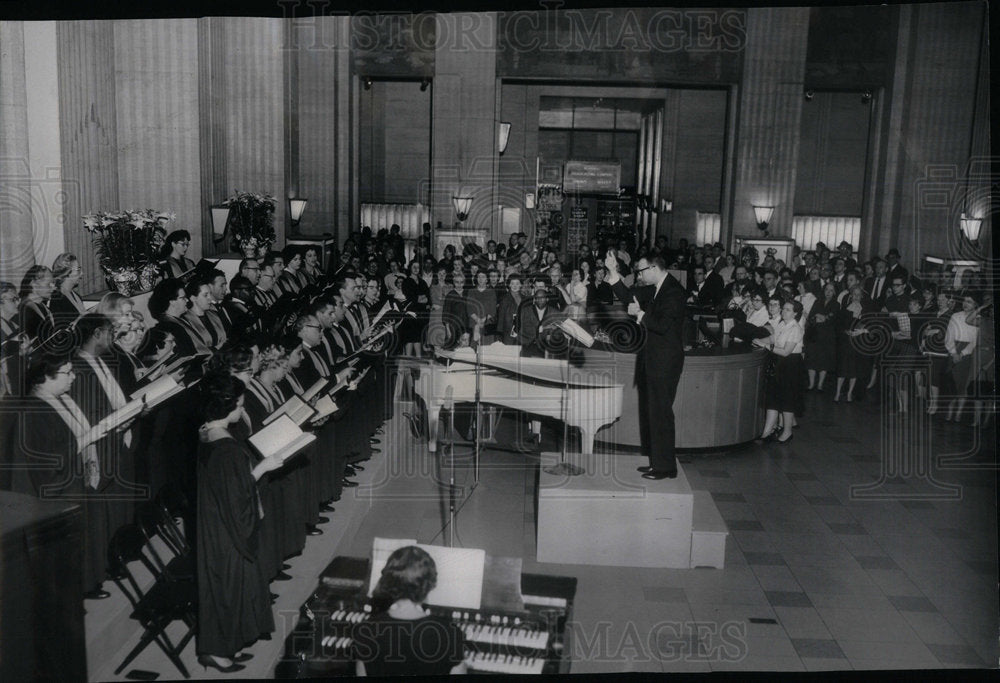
x=403, y=638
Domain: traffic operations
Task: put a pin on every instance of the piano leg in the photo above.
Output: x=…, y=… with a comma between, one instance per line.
x=586, y=441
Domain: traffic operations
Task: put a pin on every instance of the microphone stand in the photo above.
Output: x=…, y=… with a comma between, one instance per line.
x=479, y=408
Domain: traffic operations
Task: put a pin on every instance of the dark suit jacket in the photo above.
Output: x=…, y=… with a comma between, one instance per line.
x=528, y=324
x=711, y=291
x=663, y=352
x=867, y=286
x=241, y=316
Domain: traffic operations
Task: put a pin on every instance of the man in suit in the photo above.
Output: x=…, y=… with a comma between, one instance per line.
x=893, y=267
x=839, y=279
x=239, y=306
x=877, y=286
x=216, y=280
x=658, y=307
x=536, y=322
x=846, y=252
x=701, y=292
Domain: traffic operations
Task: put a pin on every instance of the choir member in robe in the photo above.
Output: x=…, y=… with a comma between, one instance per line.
x=233, y=605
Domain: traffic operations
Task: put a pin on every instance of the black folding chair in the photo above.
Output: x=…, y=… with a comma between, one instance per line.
x=166, y=601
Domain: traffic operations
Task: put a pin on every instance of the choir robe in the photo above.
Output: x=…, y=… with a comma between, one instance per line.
x=283, y=527
x=329, y=458
x=65, y=310
x=116, y=456
x=37, y=321
x=234, y=608
x=309, y=371
x=35, y=434
x=205, y=331
x=182, y=335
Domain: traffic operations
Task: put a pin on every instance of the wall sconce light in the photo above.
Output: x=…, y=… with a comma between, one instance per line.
x=866, y=96
x=763, y=214
x=809, y=95
x=971, y=227
x=424, y=84
x=503, y=136
x=666, y=206
x=220, y=222
x=296, y=207
x=462, y=206
x=367, y=82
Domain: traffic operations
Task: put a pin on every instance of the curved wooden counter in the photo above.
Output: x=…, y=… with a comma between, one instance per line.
x=719, y=402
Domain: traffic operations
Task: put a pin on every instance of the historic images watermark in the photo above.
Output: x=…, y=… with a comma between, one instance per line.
x=912, y=465
x=549, y=29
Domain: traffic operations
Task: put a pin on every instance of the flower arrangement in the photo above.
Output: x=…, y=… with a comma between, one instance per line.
x=128, y=244
x=252, y=220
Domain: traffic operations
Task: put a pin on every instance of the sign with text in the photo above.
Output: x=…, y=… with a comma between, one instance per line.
x=599, y=177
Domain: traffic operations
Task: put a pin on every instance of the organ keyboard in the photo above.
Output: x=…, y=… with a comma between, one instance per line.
x=531, y=641
x=587, y=398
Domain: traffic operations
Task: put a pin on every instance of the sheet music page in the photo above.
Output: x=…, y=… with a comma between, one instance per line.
x=460, y=571
x=276, y=437
x=157, y=390
x=385, y=309
x=294, y=408
x=314, y=389
x=120, y=416
x=325, y=406
x=573, y=329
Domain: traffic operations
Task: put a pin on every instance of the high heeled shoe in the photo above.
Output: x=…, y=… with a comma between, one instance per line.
x=242, y=657
x=208, y=662
x=765, y=438
x=780, y=440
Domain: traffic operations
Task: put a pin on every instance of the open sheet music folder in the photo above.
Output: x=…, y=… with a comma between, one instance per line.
x=295, y=408
x=158, y=391
x=282, y=437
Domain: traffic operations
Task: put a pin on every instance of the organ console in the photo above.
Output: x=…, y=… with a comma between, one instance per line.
x=587, y=397
x=532, y=640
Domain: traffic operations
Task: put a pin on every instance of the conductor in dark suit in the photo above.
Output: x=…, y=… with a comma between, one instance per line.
x=658, y=306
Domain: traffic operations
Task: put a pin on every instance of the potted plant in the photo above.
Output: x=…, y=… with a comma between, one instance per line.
x=127, y=243
x=252, y=222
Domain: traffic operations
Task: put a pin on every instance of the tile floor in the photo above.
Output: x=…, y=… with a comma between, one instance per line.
x=839, y=557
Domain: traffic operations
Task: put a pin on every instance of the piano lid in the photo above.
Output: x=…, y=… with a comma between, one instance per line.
x=547, y=369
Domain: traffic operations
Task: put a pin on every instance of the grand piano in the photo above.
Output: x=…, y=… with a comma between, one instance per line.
x=586, y=397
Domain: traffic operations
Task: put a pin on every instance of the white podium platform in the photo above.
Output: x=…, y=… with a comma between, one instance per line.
x=611, y=516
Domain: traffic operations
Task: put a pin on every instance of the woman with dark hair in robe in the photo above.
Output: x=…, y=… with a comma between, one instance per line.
x=175, y=263
x=233, y=605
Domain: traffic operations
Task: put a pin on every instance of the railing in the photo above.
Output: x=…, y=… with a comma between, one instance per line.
x=807, y=231
x=409, y=217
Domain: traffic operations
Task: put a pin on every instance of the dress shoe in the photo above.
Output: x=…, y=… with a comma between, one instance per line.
x=347, y=484
x=322, y=520
x=117, y=573
x=326, y=507
x=644, y=469
x=780, y=440
x=209, y=662
x=765, y=438
x=96, y=594
x=285, y=565
x=282, y=576
x=356, y=467
x=242, y=657
x=659, y=474
x=374, y=442
x=313, y=531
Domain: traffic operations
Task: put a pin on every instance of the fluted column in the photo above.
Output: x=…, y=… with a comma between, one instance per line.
x=253, y=93
x=156, y=85
x=16, y=253
x=770, y=114
x=87, y=126
x=463, y=141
